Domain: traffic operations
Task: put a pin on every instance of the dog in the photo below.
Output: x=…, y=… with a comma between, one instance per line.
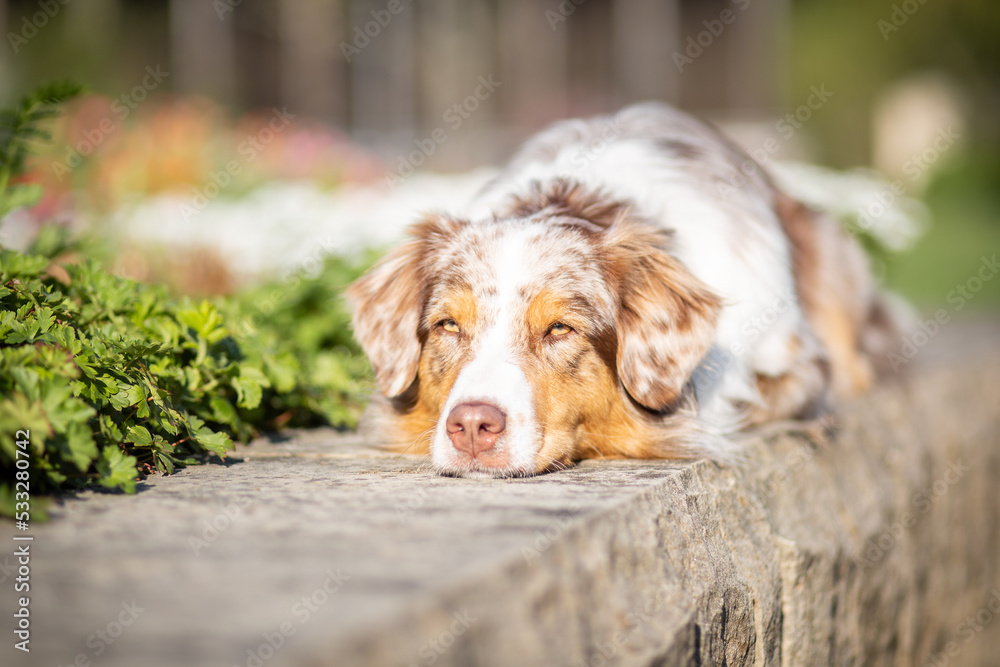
x=629, y=286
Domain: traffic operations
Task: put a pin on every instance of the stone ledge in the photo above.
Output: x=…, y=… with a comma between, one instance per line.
x=875, y=548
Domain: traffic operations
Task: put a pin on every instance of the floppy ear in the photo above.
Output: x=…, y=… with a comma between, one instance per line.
x=388, y=304
x=666, y=316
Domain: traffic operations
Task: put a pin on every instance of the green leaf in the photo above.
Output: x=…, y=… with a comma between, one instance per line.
x=18, y=413
x=65, y=337
x=164, y=463
x=121, y=400
x=20, y=196
x=26, y=379
x=15, y=265
x=45, y=319
x=139, y=436
x=216, y=442
x=62, y=408
x=249, y=387
x=19, y=125
x=223, y=411
x=117, y=470
x=282, y=371
x=329, y=371
x=205, y=320
x=52, y=240
x=78, y=446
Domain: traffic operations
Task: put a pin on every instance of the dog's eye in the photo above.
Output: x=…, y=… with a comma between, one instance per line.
x=451, y=326
x=559, y=329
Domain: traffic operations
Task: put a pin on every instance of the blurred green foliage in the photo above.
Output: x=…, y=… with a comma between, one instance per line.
x=964, y=200
x=300, y=328
x=857, y=48
x=21, y=128
x=845, y=45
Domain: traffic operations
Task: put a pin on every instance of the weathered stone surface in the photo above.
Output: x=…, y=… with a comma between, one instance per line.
x=879, y=546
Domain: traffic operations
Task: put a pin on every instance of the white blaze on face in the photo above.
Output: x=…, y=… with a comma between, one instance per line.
x=495, y=375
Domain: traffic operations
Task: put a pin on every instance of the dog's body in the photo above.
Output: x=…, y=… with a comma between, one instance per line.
x=615, y=292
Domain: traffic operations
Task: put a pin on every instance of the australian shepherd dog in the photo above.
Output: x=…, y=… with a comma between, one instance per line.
x=614, y=292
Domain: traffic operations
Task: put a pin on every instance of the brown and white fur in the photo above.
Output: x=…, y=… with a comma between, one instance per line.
x=612, y=294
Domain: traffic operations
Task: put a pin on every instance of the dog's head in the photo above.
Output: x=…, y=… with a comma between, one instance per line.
x=520, y=344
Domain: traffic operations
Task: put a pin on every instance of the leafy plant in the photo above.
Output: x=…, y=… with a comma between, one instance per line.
x=115, y=379
x=301, y=334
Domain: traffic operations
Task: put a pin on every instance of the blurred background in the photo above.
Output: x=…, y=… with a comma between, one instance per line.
x=227, y=140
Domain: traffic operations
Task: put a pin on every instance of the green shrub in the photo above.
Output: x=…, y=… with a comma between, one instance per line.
x=115, y=379
x=300, y=331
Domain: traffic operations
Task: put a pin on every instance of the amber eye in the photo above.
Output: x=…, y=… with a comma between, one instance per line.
x=451, y=326
x=559, y=329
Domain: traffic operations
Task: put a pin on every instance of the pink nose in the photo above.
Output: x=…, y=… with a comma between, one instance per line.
x=475, y=427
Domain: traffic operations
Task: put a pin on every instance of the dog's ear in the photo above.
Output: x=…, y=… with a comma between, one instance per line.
x=388, y=303
x=666, y=317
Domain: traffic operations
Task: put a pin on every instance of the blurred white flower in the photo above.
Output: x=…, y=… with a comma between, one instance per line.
x=860, y=199
x=284, y=225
